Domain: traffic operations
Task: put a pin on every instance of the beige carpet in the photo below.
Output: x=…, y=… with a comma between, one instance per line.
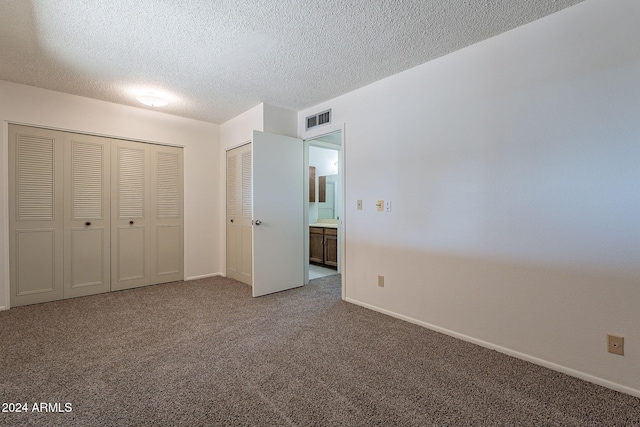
x=205, y=353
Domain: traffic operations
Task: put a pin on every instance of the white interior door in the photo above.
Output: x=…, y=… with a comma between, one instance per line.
x=278, y=255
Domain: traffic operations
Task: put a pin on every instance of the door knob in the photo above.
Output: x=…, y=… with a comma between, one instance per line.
x=257, y=222
x=87, y=223
x=232, y=221
x=131, y=222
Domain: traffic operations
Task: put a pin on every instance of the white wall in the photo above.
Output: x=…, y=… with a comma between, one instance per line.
x=263, y=118
x=38, y=107
x=280, y=121
x=325, y=160
x=239, y=130
x=514, y=171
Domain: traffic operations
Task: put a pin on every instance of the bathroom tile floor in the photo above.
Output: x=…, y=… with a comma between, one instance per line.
x=316, y=271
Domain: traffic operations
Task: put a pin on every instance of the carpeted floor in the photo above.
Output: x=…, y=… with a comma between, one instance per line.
x=205, y=353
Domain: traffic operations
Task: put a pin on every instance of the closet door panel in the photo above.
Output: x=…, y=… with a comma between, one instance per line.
x=167, y=253
x=167, y=224
x=35, y=215
x=130, y=191
x=131, y=254
x=88, y=267
x=239, y=215
x=87, y=215
x=35, y=263
x=233, y=215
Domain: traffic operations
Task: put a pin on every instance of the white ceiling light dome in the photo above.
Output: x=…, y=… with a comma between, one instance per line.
x=152, y=100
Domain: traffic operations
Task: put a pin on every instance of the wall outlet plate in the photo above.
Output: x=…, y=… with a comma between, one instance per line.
x=615, y=344
x=381, y=281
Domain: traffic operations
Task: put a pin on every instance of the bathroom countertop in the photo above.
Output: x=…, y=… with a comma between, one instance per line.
x=324, y=224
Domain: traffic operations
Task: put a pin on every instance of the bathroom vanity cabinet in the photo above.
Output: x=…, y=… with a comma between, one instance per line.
x=323, y=246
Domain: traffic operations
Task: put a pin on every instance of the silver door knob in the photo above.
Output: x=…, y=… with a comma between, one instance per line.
x=257, y=222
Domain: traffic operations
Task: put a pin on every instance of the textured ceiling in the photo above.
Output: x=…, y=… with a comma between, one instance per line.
x=214, y=59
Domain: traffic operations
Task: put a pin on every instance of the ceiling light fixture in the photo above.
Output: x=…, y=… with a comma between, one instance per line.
x=152, y=101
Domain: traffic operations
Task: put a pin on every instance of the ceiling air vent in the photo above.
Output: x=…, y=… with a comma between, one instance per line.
x=319, y=119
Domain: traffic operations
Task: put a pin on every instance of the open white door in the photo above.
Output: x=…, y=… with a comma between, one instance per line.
x=278, y=255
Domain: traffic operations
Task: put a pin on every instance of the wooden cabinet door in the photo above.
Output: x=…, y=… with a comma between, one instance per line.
x=316, y=243
x=331, y=247
x=322, y=189
x=312, y=183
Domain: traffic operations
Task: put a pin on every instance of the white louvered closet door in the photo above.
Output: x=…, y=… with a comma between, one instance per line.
x=239, y=215
x=87, y=230
x=35, y=215
x=90, y=214
x=130, y=214
x=167, y=223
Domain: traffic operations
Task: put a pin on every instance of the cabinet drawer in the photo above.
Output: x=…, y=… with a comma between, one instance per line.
x=316, y=230
x=331, y=231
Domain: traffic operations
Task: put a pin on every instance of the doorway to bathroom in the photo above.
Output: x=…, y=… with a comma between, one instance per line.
x=324, y=213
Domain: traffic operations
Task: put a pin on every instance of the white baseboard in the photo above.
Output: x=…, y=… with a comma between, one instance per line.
x=553, y=366
x=204, y=276
x=3, y=308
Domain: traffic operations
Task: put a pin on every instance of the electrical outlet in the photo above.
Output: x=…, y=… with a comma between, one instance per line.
x=359, y=205
x=381, y=281
x=615, y=344
x=387, y=206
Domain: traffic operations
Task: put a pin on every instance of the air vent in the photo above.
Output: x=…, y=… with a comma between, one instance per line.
x=319, y=119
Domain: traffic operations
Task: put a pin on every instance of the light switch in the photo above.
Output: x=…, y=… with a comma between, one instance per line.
x=380, y=206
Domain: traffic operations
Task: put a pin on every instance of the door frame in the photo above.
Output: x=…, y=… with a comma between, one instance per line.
x=308, y=137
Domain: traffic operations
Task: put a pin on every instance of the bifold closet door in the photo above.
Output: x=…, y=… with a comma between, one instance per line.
x=130, y=212
x=167, y=224
x=35, y=215
x=88, y=214
x=87, y=235
x=239, y=215
x=146, y=214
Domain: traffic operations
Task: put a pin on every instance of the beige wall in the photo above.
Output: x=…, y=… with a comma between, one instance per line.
x=514, y=175
x=38, y=107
